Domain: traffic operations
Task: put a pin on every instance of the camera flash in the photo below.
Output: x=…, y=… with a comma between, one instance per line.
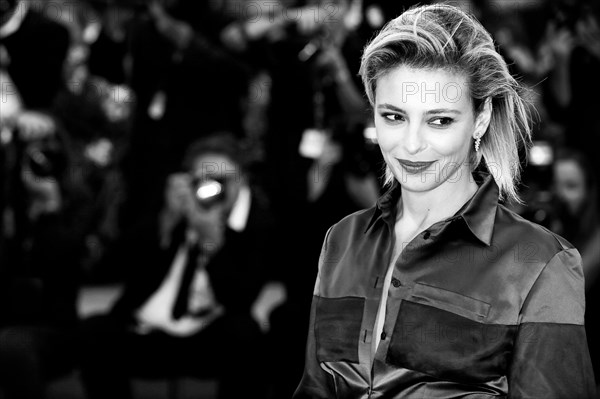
x=209, y=190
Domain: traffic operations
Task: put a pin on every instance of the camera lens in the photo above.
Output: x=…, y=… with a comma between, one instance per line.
x=45, y=161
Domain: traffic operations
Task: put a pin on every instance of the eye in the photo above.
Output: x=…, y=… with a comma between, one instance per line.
x=392, y=117
x=441, y=121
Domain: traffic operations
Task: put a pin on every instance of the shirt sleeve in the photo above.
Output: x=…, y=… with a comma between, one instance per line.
x=316, y=383
x=550, y=356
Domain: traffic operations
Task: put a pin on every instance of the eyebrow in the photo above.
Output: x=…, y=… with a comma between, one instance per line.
x=443, y=111
x=429, y=112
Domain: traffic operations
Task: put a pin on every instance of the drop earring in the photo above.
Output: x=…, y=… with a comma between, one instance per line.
x=477, y=143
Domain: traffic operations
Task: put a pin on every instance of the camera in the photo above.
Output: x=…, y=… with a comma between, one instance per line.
x=45, y=159
x=209, y=192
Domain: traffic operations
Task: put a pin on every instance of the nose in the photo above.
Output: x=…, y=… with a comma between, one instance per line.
x=413, y=141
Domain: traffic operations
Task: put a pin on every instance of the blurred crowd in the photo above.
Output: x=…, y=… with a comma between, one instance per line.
x=196, y=152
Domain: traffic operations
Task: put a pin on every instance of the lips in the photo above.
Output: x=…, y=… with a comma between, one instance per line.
x=414, y=167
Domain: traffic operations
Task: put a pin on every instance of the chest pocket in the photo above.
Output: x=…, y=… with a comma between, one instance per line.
x=444, y=334
x=337, y=328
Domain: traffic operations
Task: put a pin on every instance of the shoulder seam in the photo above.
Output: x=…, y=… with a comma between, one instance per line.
x=536, y=280
x=543, y=269
x=557, y=238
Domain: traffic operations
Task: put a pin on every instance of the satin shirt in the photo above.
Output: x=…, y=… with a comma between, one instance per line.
x=483, y=304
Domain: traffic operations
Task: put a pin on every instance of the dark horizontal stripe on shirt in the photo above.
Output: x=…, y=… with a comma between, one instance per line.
x=446, y=345
x=425, y=339
x=449, y=346
x=337, y=328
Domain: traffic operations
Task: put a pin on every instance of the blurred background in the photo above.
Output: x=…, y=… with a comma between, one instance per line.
x=102, y=99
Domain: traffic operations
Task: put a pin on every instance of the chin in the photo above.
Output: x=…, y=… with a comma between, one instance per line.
x=420, y=187
x=428, y=181
x=418, y=182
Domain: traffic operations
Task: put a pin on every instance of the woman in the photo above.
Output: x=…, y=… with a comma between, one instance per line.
x=439, y=290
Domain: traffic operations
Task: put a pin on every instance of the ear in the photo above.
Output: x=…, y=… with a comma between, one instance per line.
x=482, y=120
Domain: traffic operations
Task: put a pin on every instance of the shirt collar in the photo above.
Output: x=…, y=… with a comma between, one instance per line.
x=478, y=213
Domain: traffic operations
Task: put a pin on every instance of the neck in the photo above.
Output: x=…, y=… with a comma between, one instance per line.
x=429, y=207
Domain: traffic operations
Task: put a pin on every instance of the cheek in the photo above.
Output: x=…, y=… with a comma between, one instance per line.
x=452, y=144
x=386, y=139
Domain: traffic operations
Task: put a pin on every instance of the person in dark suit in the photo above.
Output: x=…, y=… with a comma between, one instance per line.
x=39, y=277
x=41, y=230
x=185, y=309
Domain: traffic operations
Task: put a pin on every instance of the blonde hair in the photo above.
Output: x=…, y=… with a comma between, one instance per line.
x=443, y=36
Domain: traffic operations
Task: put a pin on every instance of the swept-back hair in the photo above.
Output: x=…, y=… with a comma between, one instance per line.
x=443, y=36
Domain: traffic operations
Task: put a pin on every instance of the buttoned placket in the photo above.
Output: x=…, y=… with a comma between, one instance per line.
x=399, y=289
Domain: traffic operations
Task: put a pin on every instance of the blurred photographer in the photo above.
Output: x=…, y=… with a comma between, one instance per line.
x=40, y=240
x=32, y=53
x=194, y=274
x=39, y=269
x=182, y=75
x=39, y=276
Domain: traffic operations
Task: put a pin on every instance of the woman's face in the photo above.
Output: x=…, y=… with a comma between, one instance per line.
x=425, y=125
x=569, y=184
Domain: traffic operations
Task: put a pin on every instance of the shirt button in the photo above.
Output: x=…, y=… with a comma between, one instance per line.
x=395, y=282
x=383, y=335
x=426, y=235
